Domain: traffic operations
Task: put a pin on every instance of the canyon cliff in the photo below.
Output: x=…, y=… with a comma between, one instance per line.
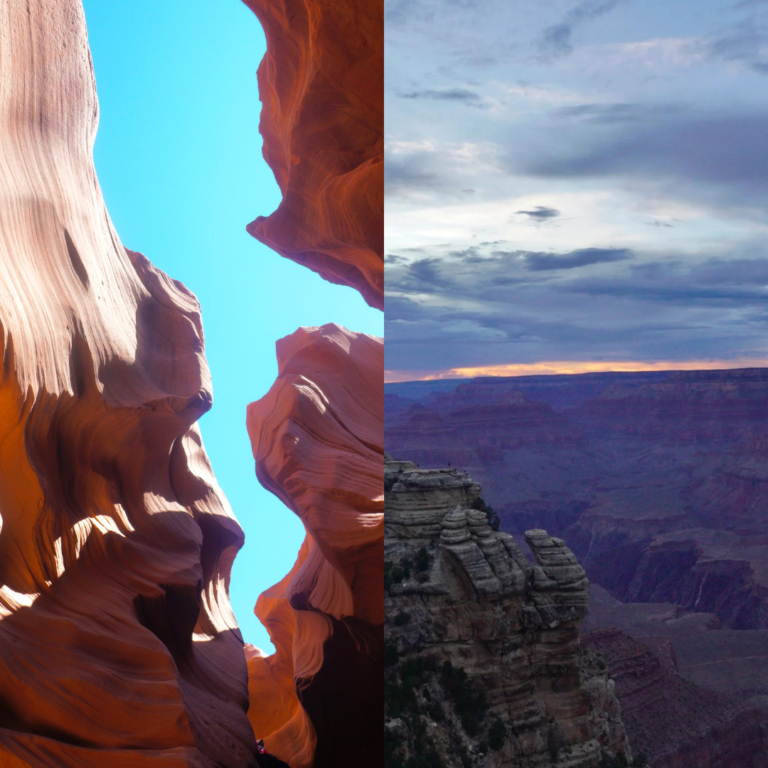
x=321, y=84
x=118, y=645
x=318, y=435
x=656, y=481
x=317, y=440
x=484, y=664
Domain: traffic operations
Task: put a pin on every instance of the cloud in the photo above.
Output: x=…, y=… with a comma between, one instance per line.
x=540, y=213
x=555, y=40
x=492, y=304
x=583, y=257
x=746, y=43
x=462, y=95
x=720, y=158
x=404, y=174
x=612, y=114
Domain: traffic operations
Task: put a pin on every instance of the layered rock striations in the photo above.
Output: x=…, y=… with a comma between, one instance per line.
x=662, y=497
x=322, y=88
x=484, y=665
x=671, y=721
x=317, y=440
x=118, y=645
x=659, y=485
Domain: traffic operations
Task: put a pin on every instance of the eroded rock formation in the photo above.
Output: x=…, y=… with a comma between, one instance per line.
x=656, y=480
x=317, y=440
x=673, y=722
x=484, y=665
x=117, y=642
x=322, y=88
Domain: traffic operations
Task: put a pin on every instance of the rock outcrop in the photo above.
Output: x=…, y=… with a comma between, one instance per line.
x=317, y=440
x=484, y=665
x=658, y=481
x=322, y=88
x=673, y=722
x=118, y=645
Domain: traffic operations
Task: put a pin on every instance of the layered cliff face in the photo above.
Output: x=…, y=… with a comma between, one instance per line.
x=117, y=642
x=484, y=665
x=673, y=722
x=317, y=440
x=322, y=88
x=658, y=485
x=662, y=498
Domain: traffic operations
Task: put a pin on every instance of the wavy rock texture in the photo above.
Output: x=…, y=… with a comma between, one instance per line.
x=317, y=439
x=117, y=642
x=322, y=87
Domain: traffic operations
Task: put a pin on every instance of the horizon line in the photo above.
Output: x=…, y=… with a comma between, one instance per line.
x=570, y=367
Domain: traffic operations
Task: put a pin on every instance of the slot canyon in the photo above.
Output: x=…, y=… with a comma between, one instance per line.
x=118, y=644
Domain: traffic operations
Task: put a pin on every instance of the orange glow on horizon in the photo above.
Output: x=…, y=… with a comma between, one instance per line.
x=573, y=367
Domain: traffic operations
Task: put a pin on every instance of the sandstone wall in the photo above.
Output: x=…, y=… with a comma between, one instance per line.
x=322, y=88
x=317, y=440
x=117, y=642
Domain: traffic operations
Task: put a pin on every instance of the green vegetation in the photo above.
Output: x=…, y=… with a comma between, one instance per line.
x=467, y=697
x=497, y=735
x=493, y=518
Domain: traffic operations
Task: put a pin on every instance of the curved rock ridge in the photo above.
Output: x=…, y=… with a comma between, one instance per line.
x=321, y=84
x=317, y=440
x=118, y=645
x=483, y=653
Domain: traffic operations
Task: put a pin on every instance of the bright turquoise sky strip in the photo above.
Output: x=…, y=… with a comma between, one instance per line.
x=178, y=156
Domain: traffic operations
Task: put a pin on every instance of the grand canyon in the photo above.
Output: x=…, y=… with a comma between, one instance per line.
x=657, y=481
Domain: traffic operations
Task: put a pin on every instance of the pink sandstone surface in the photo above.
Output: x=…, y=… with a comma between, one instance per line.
x=118, y=645
x=322, y=88
x=317, y=440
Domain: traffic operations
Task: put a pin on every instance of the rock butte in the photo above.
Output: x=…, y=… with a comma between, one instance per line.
x=317, y=439
x=118, y=645
x=322, y=87
x=466, y=598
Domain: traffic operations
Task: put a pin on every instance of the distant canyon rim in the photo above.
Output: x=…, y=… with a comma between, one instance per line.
x=658, y=482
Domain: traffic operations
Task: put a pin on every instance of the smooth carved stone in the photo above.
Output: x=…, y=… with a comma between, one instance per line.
x=317, y=440
x=118, y=646
x=321, y=84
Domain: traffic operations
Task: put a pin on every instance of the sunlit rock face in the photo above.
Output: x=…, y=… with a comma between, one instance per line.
x=317, y=438
x=322, y=88
x=118, y=646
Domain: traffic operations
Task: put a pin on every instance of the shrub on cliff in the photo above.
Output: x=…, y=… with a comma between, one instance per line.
x=493, y=518
x=468, y=699
x=497, y=735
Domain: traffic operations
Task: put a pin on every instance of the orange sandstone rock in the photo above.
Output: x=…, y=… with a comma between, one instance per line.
x=317, y=438
x=321, y=83
x=118, y=646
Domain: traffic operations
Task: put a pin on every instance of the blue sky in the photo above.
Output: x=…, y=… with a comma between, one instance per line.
x=178, y=155
x=575, y=183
